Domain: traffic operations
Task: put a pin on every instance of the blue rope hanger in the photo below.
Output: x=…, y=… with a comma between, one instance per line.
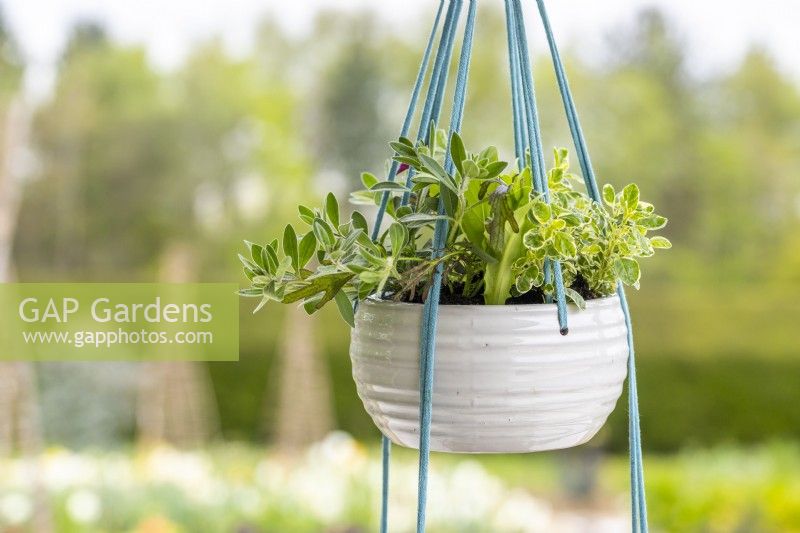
x=386, y=444
x=552, y=268
x=638, y=499
x=431, y=306
x=517, y=108
x=436, y=90
x=412, y=107
x=527, y=136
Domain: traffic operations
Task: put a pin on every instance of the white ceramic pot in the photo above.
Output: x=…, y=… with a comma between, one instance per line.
x=505, y=380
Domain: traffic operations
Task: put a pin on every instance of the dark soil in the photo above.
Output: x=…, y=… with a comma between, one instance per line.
x=448, y=297
x=534, y=296
x=582, y=287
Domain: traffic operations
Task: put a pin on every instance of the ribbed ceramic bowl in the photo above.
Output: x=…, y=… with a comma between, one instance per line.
x=505, y=380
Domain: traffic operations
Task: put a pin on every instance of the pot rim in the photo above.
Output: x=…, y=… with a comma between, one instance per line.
x=594, y=303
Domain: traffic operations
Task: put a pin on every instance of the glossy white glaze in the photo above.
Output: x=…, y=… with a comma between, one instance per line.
x=505, y=380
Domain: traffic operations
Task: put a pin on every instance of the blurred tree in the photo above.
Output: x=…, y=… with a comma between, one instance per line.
x=242, y=133
x=304, y=409
x=646, y=109
x=20, y=418
x=751, y=166
x=92, y=211
x=104, y=144
x=488, y=110
x=86, y=35
x=15, y=118
x=175, y=401
x=11, y=64
x=350, y=131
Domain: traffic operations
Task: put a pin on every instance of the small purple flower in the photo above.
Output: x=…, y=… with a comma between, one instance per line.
x=402, y=168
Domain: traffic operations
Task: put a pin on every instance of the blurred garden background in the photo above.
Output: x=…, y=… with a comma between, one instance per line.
x=120, y=169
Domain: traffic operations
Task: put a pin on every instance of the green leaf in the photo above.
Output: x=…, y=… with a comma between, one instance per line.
x=284, y=265
x=332, y=209
x=402, y=211
x=608, y=194
x=473, y=220
x=489, y=153
x=450, y=201
x=575, y=297
x=308, y=245
x=328, y=284
x=323, y=233
x=645, y=207
x=261, y=304
x=420, y=219
x=591, y=249
x=484, y=254
x=388, y=186
x=494, y=169
x=290, y=246
x=398, y=236
x=270, y=258
x=306, y=214
x=660, y=243
x=630, y=197
x=368, y=276
x=541, y=211
x=403, y=149
x=250, y=293
x=523, y=284
x=533, y=240
x=457, y=152
x=424, y=178
x=435, y=168
x=471, y=169
x=571, y=220
x=345, y=307
x=412, y=162
x=653, y=222
x=560, y=156
x=255, y=253
x=359, y=222
x=365, y=242
x=565, y=245
x=261, y=281
x=627, y=270
x=364, y=198
x=368, y=179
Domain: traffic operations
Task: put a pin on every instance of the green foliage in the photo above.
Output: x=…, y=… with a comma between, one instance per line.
x=597, y=244
x=702, y=401
x=502, y=236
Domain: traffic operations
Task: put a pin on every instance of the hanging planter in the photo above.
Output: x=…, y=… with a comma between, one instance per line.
x=505, y=380
x=532, y=341
x=513, y=372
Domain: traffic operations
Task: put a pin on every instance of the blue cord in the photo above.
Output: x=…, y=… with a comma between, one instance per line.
x=431, y=307
x=569, y=108
x=552, y=268
x=638, y=496
x=412, y=106
x=386, y=444
x=526, y=135
x=431, y=112
x=386, y=451
x=517, y=109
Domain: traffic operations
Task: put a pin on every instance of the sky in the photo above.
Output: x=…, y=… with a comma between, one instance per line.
x=717, y=31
